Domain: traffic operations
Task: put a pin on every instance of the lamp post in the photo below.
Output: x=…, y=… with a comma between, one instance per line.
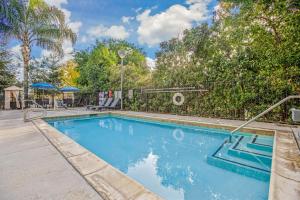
x=123, y=53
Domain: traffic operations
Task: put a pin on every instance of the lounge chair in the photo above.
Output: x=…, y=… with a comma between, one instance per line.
x=88, y=107
x=114, y=104
x=100, y=105
x=94, y=107
x=107, y=103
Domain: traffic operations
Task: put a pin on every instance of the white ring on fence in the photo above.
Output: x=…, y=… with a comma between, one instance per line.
x=181, y=101
x=178, y=135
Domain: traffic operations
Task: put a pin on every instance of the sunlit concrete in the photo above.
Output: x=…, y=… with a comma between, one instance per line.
x=31, y=168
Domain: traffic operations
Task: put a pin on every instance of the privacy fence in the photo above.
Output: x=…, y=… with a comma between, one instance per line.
x=216, y=100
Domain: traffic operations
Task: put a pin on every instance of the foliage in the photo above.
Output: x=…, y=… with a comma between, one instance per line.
x=248, y=59
x=99, y=67
x=69, y=74
x=6, y=75
x=33, y=22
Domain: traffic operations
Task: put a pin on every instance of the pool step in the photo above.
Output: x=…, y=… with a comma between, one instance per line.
x=261, y=143
x=245, y=144
x=240, y=157
x=264, y=160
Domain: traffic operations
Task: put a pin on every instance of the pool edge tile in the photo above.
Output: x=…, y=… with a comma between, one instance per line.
x=112, y=181
x=259, y=131
x=87, y=163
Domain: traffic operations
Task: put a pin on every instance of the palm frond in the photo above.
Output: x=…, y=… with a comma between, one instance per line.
x=12, y=17
x=47, y=15
x=36, y=22
x=46, y=32
x=49, y=22
x=51, y=45
x=68, y=34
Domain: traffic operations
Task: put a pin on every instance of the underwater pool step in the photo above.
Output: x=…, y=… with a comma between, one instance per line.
x=262, y=140
x=239, y=158
x=261, y=143
x=245, y=157
x=246, y=144
x=260, y=147
x=239, y=168
x=264, y=160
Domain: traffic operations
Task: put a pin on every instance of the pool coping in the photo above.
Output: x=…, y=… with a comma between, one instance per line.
x=285, y=171
x=111, y=183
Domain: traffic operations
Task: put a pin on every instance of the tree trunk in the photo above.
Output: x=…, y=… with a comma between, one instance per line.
x=26, y=58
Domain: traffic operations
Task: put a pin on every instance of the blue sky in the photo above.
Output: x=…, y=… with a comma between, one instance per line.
x=145, y=23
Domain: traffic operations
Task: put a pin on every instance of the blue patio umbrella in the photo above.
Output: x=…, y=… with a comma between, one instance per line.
x=43, y=86
x=69, y=89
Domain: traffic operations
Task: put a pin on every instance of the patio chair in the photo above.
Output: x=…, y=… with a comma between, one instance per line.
x=60, y=104
x=68, y=102
x=103, y=103
x=108, y=103
x=94, y=107
x=46, y=103
x=114, y=104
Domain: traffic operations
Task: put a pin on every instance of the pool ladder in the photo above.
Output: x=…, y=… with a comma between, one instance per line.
x=38, y=108
x=261, y=114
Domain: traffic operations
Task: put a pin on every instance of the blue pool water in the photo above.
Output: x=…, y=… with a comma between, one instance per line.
x=168, y=159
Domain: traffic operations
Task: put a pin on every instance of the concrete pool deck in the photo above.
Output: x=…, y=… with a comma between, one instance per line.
x=15, y=139
x=31, y=168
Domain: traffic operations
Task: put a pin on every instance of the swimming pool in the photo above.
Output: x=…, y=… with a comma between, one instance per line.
x=173, y=161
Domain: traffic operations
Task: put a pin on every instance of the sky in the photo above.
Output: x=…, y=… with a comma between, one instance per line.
x=145, y=23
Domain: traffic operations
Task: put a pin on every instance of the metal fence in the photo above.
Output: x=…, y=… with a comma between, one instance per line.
x=213, y=101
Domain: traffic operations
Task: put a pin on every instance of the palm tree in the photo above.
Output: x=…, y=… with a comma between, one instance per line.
x=33, y=22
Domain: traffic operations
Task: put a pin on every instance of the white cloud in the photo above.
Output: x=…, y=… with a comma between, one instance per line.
x=151, y=63
x=75, y=26
x=56, y=3
x=116, y=32
x=156, y=28
x=126, y=19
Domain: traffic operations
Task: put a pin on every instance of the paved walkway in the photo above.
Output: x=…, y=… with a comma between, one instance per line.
x=31, y=168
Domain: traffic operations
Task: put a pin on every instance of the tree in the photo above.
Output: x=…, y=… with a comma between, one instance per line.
x=34, y=22
x=69, y=74
x=99, y=67
x=6, y=76
x=45, y=69
x=248, y=59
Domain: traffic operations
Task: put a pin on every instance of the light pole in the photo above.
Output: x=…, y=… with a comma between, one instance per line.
x=123, y=53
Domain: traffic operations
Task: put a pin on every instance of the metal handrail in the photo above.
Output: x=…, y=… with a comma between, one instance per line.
x=29, y=109
x=263, y=113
